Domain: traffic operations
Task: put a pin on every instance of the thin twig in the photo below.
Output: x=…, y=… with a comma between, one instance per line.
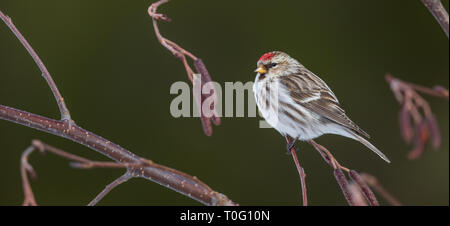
x=65, y=115
x=175, y=49
x=401, y=85
x=440, y=14
x=125, y=177
x=327, y=156
x=26, y=168
x=301, y=173
x=83, y=163
x=183, y=54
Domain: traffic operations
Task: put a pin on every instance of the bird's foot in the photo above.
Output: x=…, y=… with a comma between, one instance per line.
x=290, y=146
x=289, y=151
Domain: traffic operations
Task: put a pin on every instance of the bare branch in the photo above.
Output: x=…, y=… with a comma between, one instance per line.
x=183, y=54
x=416, y=119
x=301, y=173
x=83, y=163
x=173, y=179
x=25, y=168
x=65, y=115
x=440, y=14
x=327, y=156
x=400, y=85
x=125, y=177
x=80, y=162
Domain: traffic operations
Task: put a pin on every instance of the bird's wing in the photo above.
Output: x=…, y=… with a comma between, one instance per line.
x=319, y=99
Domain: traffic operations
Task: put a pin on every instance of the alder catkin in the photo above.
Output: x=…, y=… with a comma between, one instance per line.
x=206, y=80
x=370, y=196
x=342, y=181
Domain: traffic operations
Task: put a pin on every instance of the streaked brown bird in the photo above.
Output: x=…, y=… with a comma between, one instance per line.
x=299, y=104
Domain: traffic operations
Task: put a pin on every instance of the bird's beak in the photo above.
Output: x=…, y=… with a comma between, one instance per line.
x=261, y=70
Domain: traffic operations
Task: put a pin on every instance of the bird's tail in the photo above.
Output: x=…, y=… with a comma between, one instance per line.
x=371, y=147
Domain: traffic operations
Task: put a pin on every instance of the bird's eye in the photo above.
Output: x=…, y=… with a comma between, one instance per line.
x=272, y=65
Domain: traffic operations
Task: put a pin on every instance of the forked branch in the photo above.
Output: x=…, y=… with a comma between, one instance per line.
x=78, y=162
x=417, y=121
x=204, y=78
x=137, y=166
x=345, y=186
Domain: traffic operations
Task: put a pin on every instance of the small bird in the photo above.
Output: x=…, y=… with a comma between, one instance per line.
x=299, y=104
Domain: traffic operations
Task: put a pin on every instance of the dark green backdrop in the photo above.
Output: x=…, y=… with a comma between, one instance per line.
x=116, y=77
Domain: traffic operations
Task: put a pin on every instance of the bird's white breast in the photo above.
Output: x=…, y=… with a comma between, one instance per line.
x=282, y=113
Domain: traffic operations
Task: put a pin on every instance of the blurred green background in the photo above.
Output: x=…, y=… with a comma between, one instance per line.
x=115, y=77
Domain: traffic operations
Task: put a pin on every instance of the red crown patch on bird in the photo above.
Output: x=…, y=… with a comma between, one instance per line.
x=267, y=56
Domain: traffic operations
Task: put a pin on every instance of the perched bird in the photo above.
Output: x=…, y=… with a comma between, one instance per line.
x=297, y=103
